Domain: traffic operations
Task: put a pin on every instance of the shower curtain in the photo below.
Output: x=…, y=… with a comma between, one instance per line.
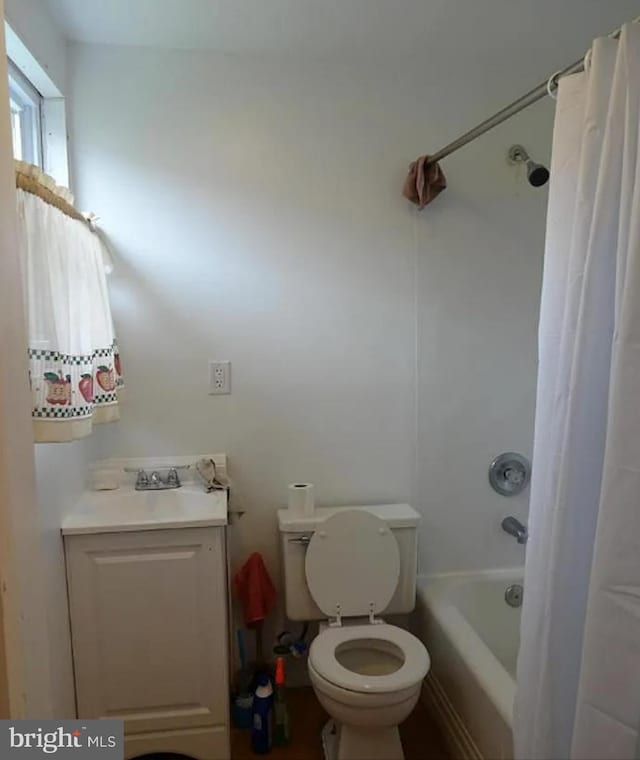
x=579, y=664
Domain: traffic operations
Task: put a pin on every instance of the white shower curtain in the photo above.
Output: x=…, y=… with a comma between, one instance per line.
x=579, y=665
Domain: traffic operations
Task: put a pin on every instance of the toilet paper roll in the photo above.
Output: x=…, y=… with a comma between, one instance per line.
x=301, y=499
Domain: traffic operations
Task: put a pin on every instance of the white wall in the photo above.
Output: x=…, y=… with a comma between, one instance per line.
x=60, y=468
x=249, y=221
x=255, y=210
x=480, y=268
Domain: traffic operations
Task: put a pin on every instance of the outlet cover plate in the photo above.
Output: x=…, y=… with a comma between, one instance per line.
x=219, y=378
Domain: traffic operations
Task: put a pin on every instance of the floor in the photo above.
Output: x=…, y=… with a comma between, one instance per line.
x=420, y=736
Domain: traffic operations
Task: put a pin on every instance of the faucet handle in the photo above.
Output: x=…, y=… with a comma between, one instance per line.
x=142, y=480
x=172, y=478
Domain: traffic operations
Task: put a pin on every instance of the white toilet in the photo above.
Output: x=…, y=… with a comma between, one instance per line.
x=346, y=566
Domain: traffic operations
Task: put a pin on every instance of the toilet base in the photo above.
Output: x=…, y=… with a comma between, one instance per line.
x=342, y=742
x=329, y=736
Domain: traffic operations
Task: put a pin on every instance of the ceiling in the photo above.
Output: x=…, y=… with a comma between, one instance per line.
x=425, y=29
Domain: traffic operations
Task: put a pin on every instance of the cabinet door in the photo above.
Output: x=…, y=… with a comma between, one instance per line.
x=149, y=627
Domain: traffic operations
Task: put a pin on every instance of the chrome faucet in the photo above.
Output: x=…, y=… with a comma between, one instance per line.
x=515, y=528
x=155, y=481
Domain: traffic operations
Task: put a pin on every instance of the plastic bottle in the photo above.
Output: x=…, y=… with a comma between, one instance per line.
x=281, y=714
x=262, y=728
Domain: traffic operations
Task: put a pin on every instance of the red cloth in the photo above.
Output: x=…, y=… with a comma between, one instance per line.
x=253, y=586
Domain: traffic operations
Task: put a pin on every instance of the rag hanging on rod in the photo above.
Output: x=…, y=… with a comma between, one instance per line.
x=426, y=171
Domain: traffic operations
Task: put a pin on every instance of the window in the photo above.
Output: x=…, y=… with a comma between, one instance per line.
x=26, y=118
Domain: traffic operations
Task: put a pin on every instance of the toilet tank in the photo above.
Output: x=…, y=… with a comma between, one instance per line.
x=296, y=531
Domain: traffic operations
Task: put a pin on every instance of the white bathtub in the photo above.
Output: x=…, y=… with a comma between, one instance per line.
x=472, y=636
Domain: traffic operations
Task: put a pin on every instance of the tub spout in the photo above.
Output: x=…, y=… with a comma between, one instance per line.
x=515, y=528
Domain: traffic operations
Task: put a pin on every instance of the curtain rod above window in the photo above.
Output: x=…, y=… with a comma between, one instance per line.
x=32, y=180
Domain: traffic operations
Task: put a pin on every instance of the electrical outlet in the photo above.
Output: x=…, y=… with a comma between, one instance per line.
x=219, y=378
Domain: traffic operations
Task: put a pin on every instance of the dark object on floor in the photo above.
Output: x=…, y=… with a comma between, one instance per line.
x=242, y=711
x=262, y=724
x=163, y=756
x=281, y=735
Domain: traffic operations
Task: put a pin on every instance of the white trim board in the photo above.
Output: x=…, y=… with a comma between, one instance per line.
x=54, y=137
x=29, y=65
x=22, y=587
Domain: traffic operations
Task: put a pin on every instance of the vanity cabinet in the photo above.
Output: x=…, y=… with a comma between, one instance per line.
x=149, y=630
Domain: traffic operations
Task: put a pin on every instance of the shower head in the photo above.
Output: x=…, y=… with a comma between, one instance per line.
x=537, y=174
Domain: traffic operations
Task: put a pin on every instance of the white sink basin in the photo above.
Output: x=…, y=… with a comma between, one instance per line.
x=125, y=509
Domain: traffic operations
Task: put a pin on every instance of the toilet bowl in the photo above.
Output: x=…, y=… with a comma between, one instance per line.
x=368, y=678
x=367, y=674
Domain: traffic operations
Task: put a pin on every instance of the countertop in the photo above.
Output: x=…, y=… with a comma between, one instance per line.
x=125, y=509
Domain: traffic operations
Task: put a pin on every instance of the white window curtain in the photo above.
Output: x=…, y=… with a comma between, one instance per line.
x=579, y=665
x=74, y=365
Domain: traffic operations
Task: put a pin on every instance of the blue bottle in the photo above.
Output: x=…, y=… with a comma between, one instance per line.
x=262, y=728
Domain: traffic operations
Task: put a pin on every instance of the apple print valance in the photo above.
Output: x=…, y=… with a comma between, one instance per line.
x=74, y=366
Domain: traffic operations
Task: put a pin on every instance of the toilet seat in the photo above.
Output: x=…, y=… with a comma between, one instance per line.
x=322, y=657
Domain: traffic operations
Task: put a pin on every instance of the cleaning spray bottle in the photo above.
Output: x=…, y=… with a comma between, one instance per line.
x=281, y=715
x=262, y=728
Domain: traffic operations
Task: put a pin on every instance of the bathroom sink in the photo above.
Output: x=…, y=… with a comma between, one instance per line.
x=125, y=509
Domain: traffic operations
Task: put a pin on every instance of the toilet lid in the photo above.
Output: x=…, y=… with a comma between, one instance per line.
x=352, y=564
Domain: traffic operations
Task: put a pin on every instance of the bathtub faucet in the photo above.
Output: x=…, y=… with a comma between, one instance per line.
x=515, y=528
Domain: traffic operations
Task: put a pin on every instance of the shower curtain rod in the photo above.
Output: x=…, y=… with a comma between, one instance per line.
x=531, y=97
